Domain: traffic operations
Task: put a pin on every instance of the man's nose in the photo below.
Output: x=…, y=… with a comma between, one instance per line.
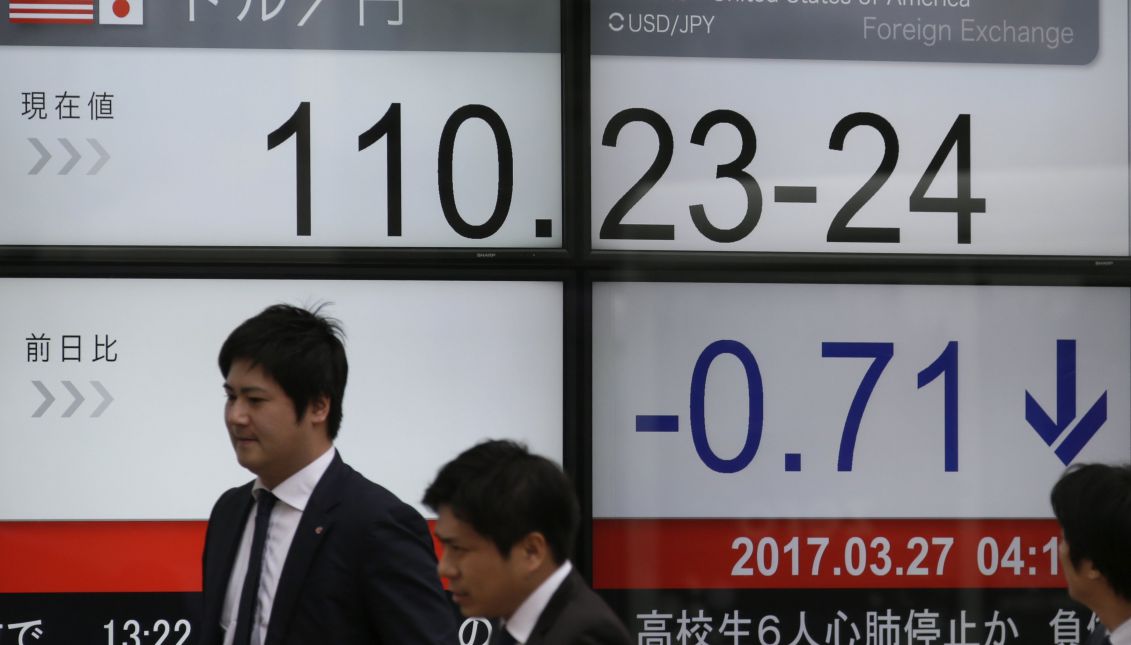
x=444, y=566
x=235, y=413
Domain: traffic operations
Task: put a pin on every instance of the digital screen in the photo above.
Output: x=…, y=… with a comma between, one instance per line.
x=771, y=464
x=379, y=123
x=115, y=443
x=793, y=445
x=992, y=127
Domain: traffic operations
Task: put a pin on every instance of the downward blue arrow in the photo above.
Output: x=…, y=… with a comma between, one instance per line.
x=1065, y=396
x=1048, y=429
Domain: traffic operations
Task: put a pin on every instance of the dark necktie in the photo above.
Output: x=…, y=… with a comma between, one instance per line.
x=245, y=619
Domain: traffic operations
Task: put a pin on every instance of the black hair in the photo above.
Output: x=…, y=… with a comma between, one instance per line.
x=505, y=493
x=302, y=350
x=1092, y=503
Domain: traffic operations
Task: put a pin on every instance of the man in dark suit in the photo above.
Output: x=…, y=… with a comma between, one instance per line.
x=507, y=520
x=1092, y=503
x=309, y=552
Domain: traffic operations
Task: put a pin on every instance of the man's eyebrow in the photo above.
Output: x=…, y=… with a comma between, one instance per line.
x=244, y=390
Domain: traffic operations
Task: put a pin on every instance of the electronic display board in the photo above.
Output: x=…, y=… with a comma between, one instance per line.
x=992, y=127
x=115, y=447
x=221, y=123
x=819, y=459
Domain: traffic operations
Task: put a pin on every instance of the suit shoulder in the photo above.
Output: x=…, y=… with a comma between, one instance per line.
x=361, y=490
x=370, y=499
x=231, y=499
x=589, y=619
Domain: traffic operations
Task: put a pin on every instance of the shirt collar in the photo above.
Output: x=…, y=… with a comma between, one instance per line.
x=295, y=490
x=522, y=622
x=1121, y=635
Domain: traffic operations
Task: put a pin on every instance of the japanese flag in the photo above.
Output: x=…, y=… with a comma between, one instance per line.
x=120, y=12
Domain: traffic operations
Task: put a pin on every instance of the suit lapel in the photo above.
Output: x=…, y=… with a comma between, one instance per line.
x=562, y=596
x=315, y=525
x=223, y=546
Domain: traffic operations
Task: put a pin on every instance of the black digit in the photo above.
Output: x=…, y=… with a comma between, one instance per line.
x=298, y=125
x=962, y=204
x=733, y=170
x=612, y=228
x=506, y=172
x=390, y=124
x=839, y=230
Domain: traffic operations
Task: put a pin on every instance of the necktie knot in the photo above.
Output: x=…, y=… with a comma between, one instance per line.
x=264, y=503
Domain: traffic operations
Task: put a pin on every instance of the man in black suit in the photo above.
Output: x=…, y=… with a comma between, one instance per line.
x=507, y=520
x=1092, y=503
x=310, y=551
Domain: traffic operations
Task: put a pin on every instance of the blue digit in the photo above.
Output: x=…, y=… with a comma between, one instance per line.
x=881, y=354
x=947, y=365
x=698, y=414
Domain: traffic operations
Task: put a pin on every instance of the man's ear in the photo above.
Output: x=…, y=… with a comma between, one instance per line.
x=1089, y=570
x=319, y=409
x=533, y=549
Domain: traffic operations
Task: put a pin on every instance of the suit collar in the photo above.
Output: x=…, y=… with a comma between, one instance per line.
x=317, y=522
x=521, y=624
x=1121, y=635
x=295, y=491
x=558, y=602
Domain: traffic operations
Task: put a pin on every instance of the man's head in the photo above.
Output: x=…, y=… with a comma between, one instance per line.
x=507, y=519
x=1092, y=503
x=285, y=376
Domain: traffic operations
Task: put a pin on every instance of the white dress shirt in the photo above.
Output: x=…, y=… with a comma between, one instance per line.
x=1121, y=635
x=293, y=495
x=522, y=622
